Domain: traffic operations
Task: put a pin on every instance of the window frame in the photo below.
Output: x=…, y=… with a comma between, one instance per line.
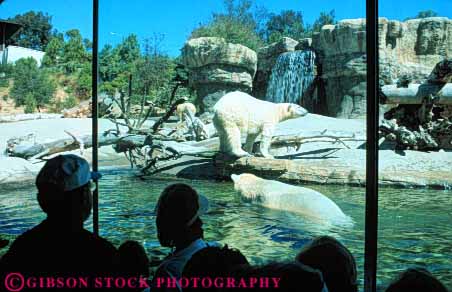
x=372, y=116
x=371, y=205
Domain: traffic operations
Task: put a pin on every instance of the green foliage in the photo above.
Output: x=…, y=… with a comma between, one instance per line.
x=117, y=64
x=324, y=19
x=30, y=103
x=424, y=14
x=32, y=83
x=74, y=52
x=5, y=73
x=84, y=81
x=153, y=72
x=3, y=82
x=53, y=51
x=129, y=50
x=69, y=102
x=36, y=30
x=254, y=27
x=236, y=26
x=288, y=23
x=153, y=69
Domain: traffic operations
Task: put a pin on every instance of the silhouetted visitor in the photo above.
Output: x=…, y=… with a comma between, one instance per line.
x=334, y=260
x=3, y=243
x=416, y=280
x=213, y=262
x=180, y=228
x=59, y=245
x=133, y=259
x=292, y=277
x=133, y=262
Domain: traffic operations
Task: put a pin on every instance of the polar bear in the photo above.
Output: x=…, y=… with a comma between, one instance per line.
x=186, y=107
x=277, y=195
x=238, y=112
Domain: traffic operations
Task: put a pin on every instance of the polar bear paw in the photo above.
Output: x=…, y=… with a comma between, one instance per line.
x=240, y=153
x=268, y=156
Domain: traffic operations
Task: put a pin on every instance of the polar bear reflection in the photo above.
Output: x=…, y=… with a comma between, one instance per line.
x=277, y=195
x=239, y=113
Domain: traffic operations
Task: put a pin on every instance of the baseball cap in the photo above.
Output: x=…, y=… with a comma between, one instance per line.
x=66, y=172
x=203, y=204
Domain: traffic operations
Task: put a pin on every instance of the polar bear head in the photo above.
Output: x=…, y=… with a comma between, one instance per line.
x=247, y=185
x=289, y=111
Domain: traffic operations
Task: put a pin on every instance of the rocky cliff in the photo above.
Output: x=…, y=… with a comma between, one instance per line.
x=407, y=49
x=217, y=67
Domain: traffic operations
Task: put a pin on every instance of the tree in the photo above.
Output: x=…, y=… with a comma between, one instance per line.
x=54, y=51
x=31, y=84
x=116, y=64
x=84, y=82
x=36, y=30
x=288, y=23
x=424, y=14
x=30, y=103
x=129, y=49
x=74, y=52
x=109, y=63
x=324, y=19
x=153, y=72
x=237, y=25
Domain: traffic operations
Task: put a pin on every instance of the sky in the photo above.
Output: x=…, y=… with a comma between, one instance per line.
x=175, y=19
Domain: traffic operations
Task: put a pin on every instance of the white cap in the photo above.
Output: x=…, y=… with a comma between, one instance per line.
x=66, y=172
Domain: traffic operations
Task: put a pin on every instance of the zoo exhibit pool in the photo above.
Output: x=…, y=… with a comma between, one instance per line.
x=414, y=223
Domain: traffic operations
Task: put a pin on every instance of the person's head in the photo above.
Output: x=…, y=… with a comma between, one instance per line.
x=64, y=188
x=178, y=210
x=214, y=261
x=416, y=280
x=334, y=260
x=133, y=259
x=292, y=277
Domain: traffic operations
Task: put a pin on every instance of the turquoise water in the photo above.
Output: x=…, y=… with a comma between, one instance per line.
x=414, y=223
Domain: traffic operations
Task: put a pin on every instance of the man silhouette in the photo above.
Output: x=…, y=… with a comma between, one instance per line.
x=59, y=245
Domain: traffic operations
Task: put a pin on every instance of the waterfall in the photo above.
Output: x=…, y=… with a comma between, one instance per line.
x=291, y=76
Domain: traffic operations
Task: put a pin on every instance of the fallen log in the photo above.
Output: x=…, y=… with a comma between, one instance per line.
x=125, y=144
x=40, y=150
x=28, y=117
x=442, y=73
x=415, y=93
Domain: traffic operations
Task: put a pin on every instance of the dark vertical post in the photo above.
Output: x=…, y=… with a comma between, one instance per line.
x=94, y=112
x=130, y=87
x=370, y=259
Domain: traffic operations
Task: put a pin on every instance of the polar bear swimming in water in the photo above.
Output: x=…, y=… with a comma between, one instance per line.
x=238, y=112
x=277, y=195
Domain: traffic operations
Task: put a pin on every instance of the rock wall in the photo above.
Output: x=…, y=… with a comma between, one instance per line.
x=266, y=57
x=217, y=67
x=406, y=49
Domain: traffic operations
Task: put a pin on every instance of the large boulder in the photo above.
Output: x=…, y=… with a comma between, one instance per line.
x=411, y=48
x=217, y=67
x=16, y=171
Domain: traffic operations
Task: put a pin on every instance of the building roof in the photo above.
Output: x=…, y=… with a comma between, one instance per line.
x=7, y=30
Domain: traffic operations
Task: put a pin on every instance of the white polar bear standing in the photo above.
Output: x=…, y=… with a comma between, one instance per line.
x=185, y=108
x=238, y=112
x=277, y=195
